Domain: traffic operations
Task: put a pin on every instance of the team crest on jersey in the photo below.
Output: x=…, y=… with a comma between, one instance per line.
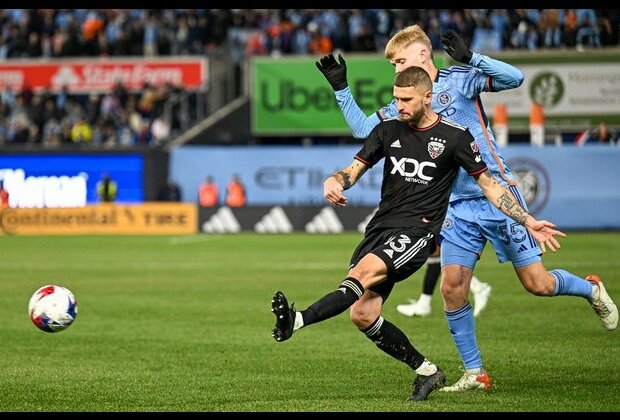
x=443, y=98
x=436, y=147
x=474, y=147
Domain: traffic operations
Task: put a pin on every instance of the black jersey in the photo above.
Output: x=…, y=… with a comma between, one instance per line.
x=420, y=167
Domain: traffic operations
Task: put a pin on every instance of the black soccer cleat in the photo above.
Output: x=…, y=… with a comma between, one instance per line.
x=285, y=317
x=424, y=385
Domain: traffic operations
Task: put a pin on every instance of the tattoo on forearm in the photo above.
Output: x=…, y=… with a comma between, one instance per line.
x=513, y=209
x=346, y=179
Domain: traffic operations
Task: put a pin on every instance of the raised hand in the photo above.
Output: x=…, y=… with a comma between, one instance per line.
x=335, y=72
x=453, y=44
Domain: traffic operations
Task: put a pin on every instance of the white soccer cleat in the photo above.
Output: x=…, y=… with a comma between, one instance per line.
x=470, y=381
x=481, y=297
x=602, y=304
x=415, y=308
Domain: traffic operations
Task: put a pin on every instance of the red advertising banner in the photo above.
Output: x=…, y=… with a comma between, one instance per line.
x=102, y=74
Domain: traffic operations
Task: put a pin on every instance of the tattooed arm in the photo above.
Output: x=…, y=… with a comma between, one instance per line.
x=502, y=198
x=342, y=180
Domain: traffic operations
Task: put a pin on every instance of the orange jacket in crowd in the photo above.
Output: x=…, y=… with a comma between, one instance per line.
x=4, y=197
x=208, y=194
x=235, y=193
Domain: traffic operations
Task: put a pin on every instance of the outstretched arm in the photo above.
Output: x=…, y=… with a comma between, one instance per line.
x=503, y=75
x=342, y=180
x=336, y=74
x=542, y=230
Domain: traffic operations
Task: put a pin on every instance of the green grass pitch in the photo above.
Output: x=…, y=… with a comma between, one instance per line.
x=184, y=324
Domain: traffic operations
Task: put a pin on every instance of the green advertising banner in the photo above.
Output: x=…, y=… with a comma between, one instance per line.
x=290, y=96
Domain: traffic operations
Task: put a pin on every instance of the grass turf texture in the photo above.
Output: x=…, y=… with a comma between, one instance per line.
x=184, y=324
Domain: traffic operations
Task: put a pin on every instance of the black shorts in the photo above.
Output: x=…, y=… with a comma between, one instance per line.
x=403, y=250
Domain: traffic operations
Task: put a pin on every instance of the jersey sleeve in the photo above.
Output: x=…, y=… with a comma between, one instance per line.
x=373, y=150
x=468, y=156
x=502, y=75
x=470, y=81
x=359, y=123
x=389, y=111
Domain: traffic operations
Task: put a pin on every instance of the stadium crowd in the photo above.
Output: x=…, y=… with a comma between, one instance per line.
x=122, y=118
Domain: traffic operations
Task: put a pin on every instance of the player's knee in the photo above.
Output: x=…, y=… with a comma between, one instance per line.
x=449, y=286
x=539, y=288
x=362, y=316
x=541, y=284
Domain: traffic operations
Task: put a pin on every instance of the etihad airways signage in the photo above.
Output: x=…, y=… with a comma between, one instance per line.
x=84, y=76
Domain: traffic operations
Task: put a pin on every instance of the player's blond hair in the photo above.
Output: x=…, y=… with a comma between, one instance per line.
x=405, y=37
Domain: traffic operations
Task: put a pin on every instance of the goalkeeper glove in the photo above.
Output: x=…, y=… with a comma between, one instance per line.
x=334, y=72
x=454, y=45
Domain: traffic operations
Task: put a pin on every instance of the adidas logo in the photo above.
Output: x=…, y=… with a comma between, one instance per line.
x=326, y=221
x=274, y=222
x=396, y=143
x=522, y=248
x=222, y=221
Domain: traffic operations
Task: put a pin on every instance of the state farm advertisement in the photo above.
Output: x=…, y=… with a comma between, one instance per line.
x=82, y=76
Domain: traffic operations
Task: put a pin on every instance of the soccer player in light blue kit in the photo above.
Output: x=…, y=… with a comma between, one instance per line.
x=471, y=220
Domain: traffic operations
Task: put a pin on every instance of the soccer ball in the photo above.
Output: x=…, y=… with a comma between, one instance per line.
x=52, y=308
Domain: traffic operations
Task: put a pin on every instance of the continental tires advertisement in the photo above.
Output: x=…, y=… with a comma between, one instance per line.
x=104, y=219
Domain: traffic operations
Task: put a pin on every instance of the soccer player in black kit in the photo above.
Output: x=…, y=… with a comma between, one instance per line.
x=422, y=153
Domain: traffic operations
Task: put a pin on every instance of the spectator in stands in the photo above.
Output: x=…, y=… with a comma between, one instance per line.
x=599, y=135
x=107, y=189
x=81, y=132
x=235, y=192
x=4, y=195
x=603, y=135
x=170, y=192
x=208, y=193
x=587, y=29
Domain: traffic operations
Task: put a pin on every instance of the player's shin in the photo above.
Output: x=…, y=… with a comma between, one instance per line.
x=334, y=303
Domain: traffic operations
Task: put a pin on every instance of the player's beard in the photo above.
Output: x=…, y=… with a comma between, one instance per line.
x=413, y=119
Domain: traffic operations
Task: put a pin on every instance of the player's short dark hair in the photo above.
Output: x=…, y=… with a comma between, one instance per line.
x=414, y=77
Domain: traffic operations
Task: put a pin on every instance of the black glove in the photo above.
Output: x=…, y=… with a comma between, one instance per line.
x=454, y=45
x=336, y=74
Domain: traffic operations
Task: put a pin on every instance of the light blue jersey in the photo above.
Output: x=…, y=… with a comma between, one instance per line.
x=456, y=96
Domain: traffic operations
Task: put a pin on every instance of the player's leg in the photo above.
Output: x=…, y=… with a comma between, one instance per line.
x=403, y=255
x=422, y=306
x=512, y=242
x=373, y=269
x=370, y=270
x=367, y=269
x=461, y=246
x=366, y=315
x=558, y=282
x=456, y=275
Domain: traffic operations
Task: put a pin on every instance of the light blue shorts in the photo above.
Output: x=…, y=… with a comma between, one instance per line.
x=470, y=223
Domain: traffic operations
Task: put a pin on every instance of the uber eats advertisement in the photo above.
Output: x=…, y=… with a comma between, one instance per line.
x=291, y=96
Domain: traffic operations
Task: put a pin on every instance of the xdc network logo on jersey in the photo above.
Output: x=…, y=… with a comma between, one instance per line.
x=547, y=89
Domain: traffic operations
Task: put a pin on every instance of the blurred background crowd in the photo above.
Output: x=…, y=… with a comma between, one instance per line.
x=154, y=114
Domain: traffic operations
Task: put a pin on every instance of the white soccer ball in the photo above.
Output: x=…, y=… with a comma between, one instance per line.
x=52, y=308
